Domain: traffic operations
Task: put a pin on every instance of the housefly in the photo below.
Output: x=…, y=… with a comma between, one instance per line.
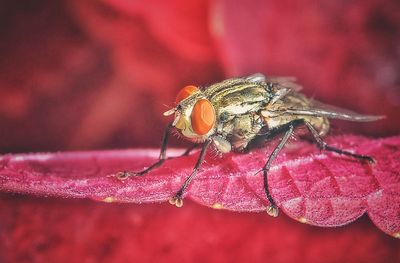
x=232, y=114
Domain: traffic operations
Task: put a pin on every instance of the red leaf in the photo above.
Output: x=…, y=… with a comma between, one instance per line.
x=314, y=187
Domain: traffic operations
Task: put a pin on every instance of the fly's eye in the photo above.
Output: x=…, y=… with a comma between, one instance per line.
x=185, y=92
x=203, y=117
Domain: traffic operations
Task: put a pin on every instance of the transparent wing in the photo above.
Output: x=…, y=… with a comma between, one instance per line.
x=256, y=77
x=283, y=82
x=287, y=86
x=316, y=108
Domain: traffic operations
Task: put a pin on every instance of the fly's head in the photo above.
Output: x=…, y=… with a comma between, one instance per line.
x=195, y=116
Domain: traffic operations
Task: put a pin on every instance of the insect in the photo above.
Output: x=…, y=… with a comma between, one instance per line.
x=232, y=114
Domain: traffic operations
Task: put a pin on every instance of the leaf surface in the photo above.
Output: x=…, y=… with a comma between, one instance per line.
x=314, y=187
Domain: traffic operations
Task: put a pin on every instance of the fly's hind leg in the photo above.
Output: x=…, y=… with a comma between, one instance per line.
x=125, y=174
x=324, y=146
x=289, y=129
x=272, y=209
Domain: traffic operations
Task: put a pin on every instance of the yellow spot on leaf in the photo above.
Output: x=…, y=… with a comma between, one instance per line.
x=109, y=199
x=396, y=235
x=217, y=206
x=302, y=220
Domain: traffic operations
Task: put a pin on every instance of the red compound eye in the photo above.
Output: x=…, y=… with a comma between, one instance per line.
x=185, y=92
x=203, y=117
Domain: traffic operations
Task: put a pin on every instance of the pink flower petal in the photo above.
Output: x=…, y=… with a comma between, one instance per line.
x=314, y=187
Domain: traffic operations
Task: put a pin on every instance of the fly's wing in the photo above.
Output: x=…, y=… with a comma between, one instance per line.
x=282, y=82
x=285, y=83
x=256, y=77
x=297, y=104
x=316, y=108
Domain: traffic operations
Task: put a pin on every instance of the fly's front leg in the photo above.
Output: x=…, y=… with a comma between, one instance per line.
x=177, y=198
x=324, y=146
x=124, y=175
x=272, y=209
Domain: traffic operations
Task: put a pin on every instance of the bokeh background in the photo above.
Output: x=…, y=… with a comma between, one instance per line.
x=83, y=75
x=98, y=74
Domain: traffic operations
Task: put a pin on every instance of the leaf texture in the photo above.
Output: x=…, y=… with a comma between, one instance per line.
x=309, y=185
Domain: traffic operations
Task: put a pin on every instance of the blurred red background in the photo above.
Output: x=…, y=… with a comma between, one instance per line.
x=78, y=75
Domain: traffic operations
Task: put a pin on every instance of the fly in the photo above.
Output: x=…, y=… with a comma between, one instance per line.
x=236, y=112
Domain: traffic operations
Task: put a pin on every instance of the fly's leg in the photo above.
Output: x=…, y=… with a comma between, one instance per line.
x=272, y=209
x=177, y=198
x=324, y=146
x=125, y=174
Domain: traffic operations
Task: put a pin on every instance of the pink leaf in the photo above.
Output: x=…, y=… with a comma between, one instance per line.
x=314, y=187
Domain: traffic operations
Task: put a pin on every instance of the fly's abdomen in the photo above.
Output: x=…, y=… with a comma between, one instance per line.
x=281, y=113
